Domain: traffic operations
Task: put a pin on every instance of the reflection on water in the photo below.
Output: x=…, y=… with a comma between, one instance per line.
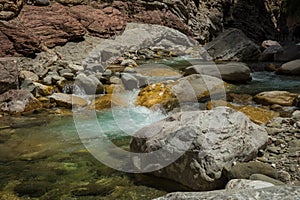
x=46, y=159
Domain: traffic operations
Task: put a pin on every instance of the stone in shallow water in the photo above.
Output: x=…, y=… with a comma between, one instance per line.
x=170, y=94
x=283, y=98
x=231, y=72
x=206, y=141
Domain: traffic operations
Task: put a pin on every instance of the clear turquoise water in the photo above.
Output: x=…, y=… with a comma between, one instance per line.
x=43, y=158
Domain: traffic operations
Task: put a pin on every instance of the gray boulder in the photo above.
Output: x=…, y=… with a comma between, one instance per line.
x=233, y=45
x=290, y=68
x=230, y=72
x=270, y=193
x=129, y=81
x=205, y=143
x=8, y=75
x=89, y=84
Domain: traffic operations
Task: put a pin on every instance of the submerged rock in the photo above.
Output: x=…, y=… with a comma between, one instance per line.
x=270, y=193
x=207, y=142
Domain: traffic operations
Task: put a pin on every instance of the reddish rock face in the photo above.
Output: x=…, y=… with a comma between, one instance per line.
x=18, y=40
x=99, y=22
x=55, y=25
x=52, y=25
x=48, y=26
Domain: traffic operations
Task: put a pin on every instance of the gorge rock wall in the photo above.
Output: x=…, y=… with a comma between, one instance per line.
x=26, y=30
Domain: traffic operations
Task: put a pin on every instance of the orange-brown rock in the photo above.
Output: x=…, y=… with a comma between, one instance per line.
x=282, y=98
x=188, y=89
x=108, y=101
x=157, y=94
x=114, y=88
x=257, y=115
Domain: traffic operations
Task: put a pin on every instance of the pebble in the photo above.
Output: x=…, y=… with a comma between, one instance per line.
x=275, y=150
x=292, y=168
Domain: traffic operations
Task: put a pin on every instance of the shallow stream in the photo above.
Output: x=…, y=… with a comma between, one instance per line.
x=42, y=156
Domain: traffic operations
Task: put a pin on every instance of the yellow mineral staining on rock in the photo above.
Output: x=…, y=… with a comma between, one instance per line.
x=108, y=101
x=257, y=115
x=157, y=94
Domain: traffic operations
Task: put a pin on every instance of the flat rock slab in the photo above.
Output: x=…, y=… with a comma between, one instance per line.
x=282, y=98
x=271, y=193
x=232, y=45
